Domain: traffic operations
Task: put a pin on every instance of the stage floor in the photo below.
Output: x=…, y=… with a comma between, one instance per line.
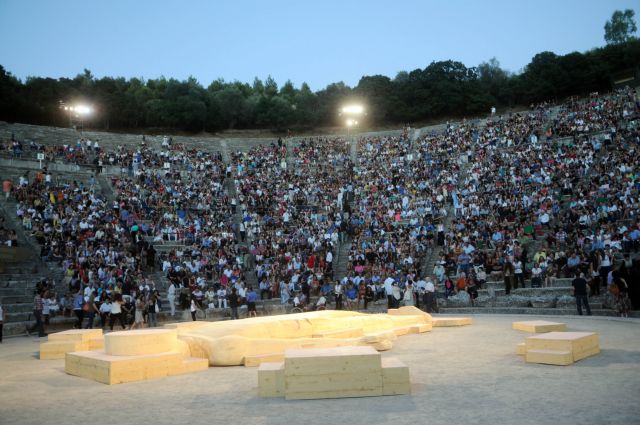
x=467, y=375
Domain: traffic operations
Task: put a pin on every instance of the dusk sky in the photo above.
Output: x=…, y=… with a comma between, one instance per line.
x=319, y=42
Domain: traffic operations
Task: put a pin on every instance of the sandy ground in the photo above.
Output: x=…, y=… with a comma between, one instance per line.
x=466, y=375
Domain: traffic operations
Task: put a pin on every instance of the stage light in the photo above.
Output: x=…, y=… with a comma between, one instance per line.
x=353, y=109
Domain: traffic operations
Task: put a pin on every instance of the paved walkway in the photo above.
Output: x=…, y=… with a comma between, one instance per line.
x=464, y=375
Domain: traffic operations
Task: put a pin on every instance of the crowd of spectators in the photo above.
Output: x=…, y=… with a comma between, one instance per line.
x=528, y=198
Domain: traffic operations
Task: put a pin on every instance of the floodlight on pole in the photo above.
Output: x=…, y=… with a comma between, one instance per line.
x=353, y=109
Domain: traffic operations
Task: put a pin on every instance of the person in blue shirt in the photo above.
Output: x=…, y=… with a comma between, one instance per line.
x=352, y=296
x=252, y=297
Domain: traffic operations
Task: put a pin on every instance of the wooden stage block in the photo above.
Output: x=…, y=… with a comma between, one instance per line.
x=271, y=379
x=53, y=350
x=332, y=394
x=95, y=344
x=551, y=348
x=579, y=344
x=338, y=360
x=333, y=382
x=539, y=326
x=552, y=357
x=139, y=342
x=254, y=361
x=520, y=349
x=110, y=369
x=333, y=373
x=395, y=377
x=75, y=335
x=451, y=321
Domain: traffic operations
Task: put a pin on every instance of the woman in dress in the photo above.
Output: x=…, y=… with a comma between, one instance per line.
x=138, y=321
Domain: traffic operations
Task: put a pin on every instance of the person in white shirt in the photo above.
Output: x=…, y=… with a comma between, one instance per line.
x=329, y=260
x=222, y=298
x=388, y=289
x=338, y=294
x=171, y=295
x=429, y=297
x=105, y=310
x=518, y=273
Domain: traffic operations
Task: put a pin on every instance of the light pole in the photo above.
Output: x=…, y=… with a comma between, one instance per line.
x=79, y=112
x=351, y=113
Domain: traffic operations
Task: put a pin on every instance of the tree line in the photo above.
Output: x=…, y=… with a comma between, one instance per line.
x=442, y=89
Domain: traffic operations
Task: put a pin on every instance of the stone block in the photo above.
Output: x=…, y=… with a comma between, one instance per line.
x=539, y=326
x=520, y=349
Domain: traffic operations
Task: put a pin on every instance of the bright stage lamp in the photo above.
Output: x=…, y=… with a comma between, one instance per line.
x=83, y=109
x=353, y=109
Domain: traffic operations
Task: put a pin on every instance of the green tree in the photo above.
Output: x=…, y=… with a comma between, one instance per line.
x=621, y=27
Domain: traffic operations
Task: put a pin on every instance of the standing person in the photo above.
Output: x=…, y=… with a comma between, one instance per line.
x=337, y=293
x=46, y=309
x=518, y=274
x=1, y=321
x=91, y=309
x=105, y=310
x=581, y=292
x=397, y=295
x=138, y=321
x=171, y=295
x=284, y=292
x=388, y=289
x=116, y=312
x=252, y=297
x=38, y=307
x=594, y=269
x=507, y=273
x=234, y=302
x=409, y=293
x=620, y=291
x=152, y=309
x=430, y=297
x=78, y=305
x=193, y=308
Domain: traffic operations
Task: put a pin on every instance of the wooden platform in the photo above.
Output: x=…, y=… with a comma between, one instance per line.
x=60, y=343
x=333, y=373
x=142, y=341
x=539, y=326
x=130, y=356
x=109, y=369
x=561, y=348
